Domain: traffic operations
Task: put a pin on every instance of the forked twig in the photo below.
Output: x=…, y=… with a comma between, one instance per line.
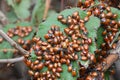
x=12, y=42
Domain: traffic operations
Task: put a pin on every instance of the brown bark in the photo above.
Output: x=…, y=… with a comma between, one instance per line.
x=114, y=56
x=110, y=60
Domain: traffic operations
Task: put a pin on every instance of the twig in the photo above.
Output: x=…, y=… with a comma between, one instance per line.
x=3, y=18
x=12, y=60
x=47, y=6
x=76, y=3
x=4, y=21
x=62, y=4
x=116, y=37
x=13, y=43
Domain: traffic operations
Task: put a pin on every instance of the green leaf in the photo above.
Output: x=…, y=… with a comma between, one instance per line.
x=11, y=16
x=116, y=11
x=45, y=26
x=107, y=74
x=100, y=37
x=33, y=56
x=65, y=75
x=52, y=20
x=9, y=53
x=38, y=11
x=10, y=2
x=21, y=9
x=23, y=24
x=68, y=12
x=27, y=24
x=92, y=26
x=6, y=45
x=83, y=1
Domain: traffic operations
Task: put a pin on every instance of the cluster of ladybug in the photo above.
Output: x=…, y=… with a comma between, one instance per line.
x=18, y=31
x=21, y=32
x=52, y=54
x=60, y=49
x=110, y=24
x=86, y=4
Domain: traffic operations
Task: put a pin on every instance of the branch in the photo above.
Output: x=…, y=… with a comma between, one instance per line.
x=62, y=5
x=114, y=56
x=12, y=60
x=13, y=43
x=47, y=6
x=110, y=60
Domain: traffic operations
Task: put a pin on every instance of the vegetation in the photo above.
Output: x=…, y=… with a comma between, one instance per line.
x=74, y=44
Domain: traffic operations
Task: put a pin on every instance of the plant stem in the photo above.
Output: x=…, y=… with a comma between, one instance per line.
x=12, y=60
x=62, y=4
x=115, y=38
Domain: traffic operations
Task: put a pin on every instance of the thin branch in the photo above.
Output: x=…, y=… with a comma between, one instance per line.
x=76, y=2
x=13, y=43
x=116, y=37
x=12, y=60
x=3, y=18
x=116, y=50
x=47, y=6
x=62, y=4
